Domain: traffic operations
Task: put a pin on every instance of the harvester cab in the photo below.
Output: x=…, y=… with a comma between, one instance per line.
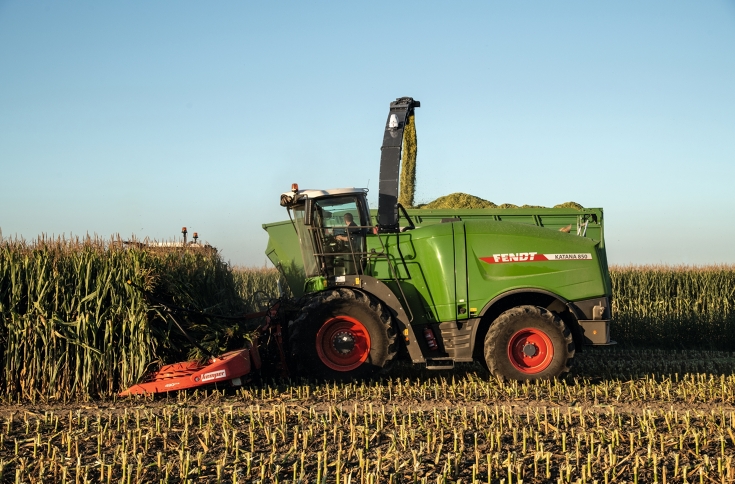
x=331, y=226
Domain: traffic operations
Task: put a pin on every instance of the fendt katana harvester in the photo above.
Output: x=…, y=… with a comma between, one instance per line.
x=441, y=286
x=505, y=287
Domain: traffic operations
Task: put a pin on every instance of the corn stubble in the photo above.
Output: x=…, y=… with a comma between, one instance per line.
x=460, y=428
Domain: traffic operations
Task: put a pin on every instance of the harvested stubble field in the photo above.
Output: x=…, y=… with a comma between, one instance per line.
x=73, y=333
x=416, y=427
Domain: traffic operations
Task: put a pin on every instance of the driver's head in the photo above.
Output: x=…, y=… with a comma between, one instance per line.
x=348, y=217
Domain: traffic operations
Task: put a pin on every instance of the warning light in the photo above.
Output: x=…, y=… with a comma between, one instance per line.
x=294, y=187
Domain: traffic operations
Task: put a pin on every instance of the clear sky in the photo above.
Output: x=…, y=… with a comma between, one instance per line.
x=139, y=118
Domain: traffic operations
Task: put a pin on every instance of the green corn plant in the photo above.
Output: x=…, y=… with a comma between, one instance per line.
x=71, y=325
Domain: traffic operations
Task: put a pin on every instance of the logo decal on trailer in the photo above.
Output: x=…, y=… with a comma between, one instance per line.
x=532, y=257
x=214, y=375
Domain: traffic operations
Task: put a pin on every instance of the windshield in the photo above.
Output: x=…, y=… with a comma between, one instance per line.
x=338, y=212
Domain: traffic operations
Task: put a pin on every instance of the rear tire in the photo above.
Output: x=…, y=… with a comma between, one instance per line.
x=342, y=334
x=528, y=343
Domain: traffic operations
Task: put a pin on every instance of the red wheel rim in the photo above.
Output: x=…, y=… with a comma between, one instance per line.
x=343, y=343
x=530, y=351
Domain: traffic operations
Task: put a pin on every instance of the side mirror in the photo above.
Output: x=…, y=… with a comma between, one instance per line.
x=307, y=212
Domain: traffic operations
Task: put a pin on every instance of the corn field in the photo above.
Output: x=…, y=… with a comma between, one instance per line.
x=674, y=307
x=73, y=326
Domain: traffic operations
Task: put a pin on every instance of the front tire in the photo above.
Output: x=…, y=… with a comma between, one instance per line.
x=528, y=343
x=342, y=334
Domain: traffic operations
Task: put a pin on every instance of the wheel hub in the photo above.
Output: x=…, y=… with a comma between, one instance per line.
x=344, y=342
x=530, y=350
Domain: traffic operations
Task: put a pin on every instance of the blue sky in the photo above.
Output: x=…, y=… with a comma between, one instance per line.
x=139, y=118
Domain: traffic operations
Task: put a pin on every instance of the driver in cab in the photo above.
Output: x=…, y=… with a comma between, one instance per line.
x=349, y=222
